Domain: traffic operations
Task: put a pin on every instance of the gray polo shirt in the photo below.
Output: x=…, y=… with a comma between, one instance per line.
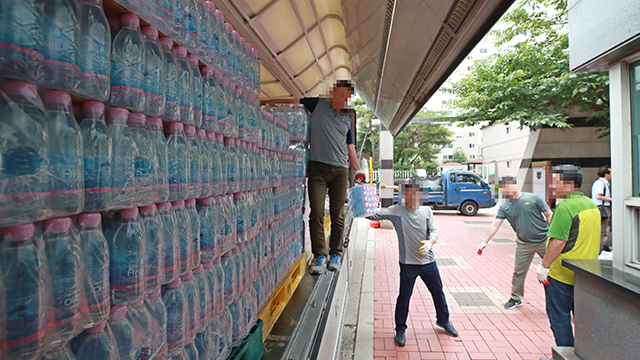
x=412, y=227
x=525, y=216
x=328, y=135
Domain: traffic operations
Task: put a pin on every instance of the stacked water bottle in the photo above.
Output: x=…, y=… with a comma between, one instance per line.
x=154, y=214
x=363, y=201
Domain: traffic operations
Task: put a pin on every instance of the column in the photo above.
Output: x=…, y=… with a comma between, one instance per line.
x=386, y=165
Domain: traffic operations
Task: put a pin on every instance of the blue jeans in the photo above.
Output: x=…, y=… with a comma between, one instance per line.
x=559, y=297
x=431, y=276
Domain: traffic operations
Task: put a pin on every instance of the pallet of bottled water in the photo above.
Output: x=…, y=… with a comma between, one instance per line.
x=363, y=201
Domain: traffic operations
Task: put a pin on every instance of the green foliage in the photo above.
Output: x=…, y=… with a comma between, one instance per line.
x=531, y=82
x=368, y=135
x=459, y=156
x=418, y=145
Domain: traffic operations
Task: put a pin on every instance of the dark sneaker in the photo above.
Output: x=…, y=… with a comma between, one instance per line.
x=448, y=328
x=319, y=266
x=334, y=263
x=400, y=338
x=512, y=304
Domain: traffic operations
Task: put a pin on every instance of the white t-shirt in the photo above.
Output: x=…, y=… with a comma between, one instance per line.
x=601, y=186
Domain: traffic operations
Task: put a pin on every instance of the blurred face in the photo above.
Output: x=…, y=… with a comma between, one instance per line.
x=608, y=176
x=560, y=188
x=509, y=189
x=340, y=97
x=411, y=196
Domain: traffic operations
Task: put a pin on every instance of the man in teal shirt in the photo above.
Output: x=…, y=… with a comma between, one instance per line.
x=529, y=217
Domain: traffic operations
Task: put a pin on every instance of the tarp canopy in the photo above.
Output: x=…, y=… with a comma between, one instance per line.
x=397, y=52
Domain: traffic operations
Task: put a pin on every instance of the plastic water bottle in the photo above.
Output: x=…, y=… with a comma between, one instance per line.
x=206, y=164
x=59, y=352
x=219, y=273
x=94, y=49
x=126, y=340
x=207, y=230
x=196, y=89
x=191, y=352
x=158, y=312
x=216, y=163
x=165, y=15
x=237, y=315
x=230, y=277
x=153, y=66
x=126, y=254
x=194, y=158
x=127, y=66
x=179, y=166
x=169, y=81
x=66, y=160
x=190, y=23
x=223, y=187
x=239, y=201
x=97, y=149
x=95, y=255
x=232, y=164
x=192, y=305
x=24, y=178
x=194, y=223
x=171, y=242
x=205, y=344
x=154, y=247
x=178, y=27
x=161, y=190
x=146, y=329
x=227, y=335
x=123, y=159
x=202, y=21
x=24, y=271
x=204, y=298
x=175, y=303
x=209, y=106
x=65, y=266
x=59, y=45
x=183, y=86
x=97, y=344
x=231, y=56
x=184, y=235
x=146, y=174
x=20, y=56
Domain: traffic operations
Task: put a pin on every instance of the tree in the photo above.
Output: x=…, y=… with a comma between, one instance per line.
x=530, y=82
x=418, y=145
x=368, y=134
x=459, y=156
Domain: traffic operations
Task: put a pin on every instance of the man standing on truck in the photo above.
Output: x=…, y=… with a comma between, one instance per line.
x=524, y=211
x=331, y=152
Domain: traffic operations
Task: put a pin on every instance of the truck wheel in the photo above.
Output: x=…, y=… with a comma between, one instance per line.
x=469, y=208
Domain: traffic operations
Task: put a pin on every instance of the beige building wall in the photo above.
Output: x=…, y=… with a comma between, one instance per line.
x=503, y=145
x=468, y=139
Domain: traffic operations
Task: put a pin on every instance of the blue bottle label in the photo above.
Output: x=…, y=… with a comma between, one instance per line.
x=124, y=270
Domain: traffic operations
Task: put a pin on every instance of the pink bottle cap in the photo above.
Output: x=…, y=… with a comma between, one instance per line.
x=229, y=27
x=211, y=135
x=229, y=141
x=254, y=51
x=208, y=71
x=97, y=329
x=220, y=137
x=93, y=106
x=17, y=87
x=193, y=60
x=154, y=293
x=136, y=118
x=154, y=121
x=218, y=76
x=180, y=51
x=206, y=264
x=178, y=204
x=187, y=276
x=19, y=232
x=248, y=46
x=129, y=213
x=207, y=201
x=201, y=133
x=58, y=225
x=131, y=19
x=166, y=43
x=225, y=81
x=148, y=210
x=219, y=15
x=209, y=6
x=198, y=269
x=190, y=129
x=165, y=206
x=242, y=41
x=175, y=283
x=235, y=34
x=150, y=31
x=139, y=302
x=90, y=219
x=119, y=113
x=176, y=126
x=190, y=202
x=118, y=312
x=57, y=97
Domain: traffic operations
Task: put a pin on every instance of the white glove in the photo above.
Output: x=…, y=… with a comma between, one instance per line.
x=543, y=274
x=424, y=249
x=481, y=247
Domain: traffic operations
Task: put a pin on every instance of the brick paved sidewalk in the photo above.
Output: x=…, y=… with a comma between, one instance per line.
x=476, y=288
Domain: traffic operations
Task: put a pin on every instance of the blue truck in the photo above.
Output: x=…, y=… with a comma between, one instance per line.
x=456, y=190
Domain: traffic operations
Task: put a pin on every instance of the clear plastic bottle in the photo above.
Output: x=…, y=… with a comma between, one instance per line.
x=202, y=28
x=146, y=173
x=127, y=66
x=123, y=159
x=206, y=164
x=237, y=315
x=97, y=147
x=24, y=178
x=213, y=289
x=169, y=81
x=153, y=77
x=165, y=15
x=204, y=303
x=157, y=310
x=66, y=161
x=154, y=247
x=195, y=158
x=97, y=344
x=161, y=190
x=59, y=352
x=191, y=352
x=126, y=253
x=239, y=201
x=208, y=225
x=24, y=272
x=184, y=234
x=171, y=242
x=184, y=91
x=95, y=254
x=230, y=278
x=219, y=102
x=194, y=223
x=190, y=24
x=221, y=31
x=216, y=163
x=192, y=305
x=59, y=46
x=222, y=151
x=175, y=303
x=205, y=344
x=21, y=57
x=127, y=342
x=211, y=33
x=179, y=166
x=94, y=47
x=231, y=55
x=196, y=89
x=178, y=27
x=232, y=165
x=146, y=329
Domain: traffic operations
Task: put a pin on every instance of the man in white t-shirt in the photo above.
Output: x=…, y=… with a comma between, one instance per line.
x=601, y=196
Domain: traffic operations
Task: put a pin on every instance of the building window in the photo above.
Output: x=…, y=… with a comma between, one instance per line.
x=634, y=70
x=458, y=136
x=508, y=164
x=450, y=113
x=472, y=134
x=445, y=102
x=469, y=68
x=507, y=130
x=483, y=51
x=447, y=146
x=472, y=156
x=470, y=57
x=471, y=146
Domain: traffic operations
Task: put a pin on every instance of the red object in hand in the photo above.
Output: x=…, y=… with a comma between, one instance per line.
x=480, y=251
x=360, y=177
